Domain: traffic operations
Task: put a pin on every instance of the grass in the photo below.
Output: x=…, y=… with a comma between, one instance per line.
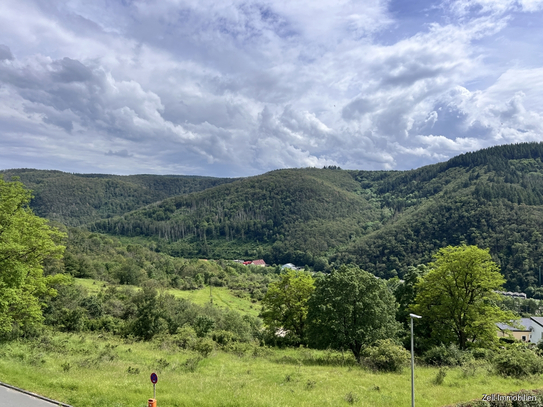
x=222, y=296
x=95, y=370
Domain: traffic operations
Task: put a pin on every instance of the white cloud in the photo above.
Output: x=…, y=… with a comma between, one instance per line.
x=240, y=87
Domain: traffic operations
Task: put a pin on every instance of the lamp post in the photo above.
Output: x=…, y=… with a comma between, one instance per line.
x=413, y=361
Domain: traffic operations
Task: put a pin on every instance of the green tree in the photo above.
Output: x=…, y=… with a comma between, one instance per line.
x=285, y=303
x=457, y=299
x=351, y=309
x=147, y=322
x=25, y=242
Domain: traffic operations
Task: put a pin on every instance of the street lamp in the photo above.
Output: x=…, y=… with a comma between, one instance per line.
x=413, y=361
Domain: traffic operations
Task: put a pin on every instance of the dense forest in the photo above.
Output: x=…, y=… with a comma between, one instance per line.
x=76, y=199
x=383, y=221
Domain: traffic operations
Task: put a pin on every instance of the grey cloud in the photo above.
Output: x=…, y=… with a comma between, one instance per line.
x=5, y=53
x=356, y=108
x=121, y=153
x=71, y=70
x=246, y=87
x=62, y=123
x=410, y=73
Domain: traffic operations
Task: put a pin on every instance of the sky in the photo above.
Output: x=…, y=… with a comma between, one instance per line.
x=240, y=87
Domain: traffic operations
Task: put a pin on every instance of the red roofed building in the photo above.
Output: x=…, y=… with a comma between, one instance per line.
x=260, y=263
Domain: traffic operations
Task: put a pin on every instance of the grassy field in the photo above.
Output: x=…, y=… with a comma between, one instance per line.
x=96, y=370
x=222, y=296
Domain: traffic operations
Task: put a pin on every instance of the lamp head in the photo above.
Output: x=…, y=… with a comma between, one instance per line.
x=415, y=316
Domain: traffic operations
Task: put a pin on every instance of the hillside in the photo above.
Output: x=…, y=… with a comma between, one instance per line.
x=284, y=215
x=384, y=221
x=491, y=198
x=76, y=199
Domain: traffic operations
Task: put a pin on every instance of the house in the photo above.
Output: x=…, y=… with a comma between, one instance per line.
x=537, y=329
x=529, y=330
x=291, y=267
x=260, y=263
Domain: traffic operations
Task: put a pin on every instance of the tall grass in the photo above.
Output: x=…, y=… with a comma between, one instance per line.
x=222, y=296
x=97, y=370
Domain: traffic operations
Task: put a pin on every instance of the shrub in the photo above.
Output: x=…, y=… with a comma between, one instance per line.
x=446, y=356
x=482, y=353
x=223, y=337
x=517, y=362
x=203, y=325
x=185, y=337
x=385, y=356
x=204, y=346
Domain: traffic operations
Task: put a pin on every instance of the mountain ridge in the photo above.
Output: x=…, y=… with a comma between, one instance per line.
x=384, y=221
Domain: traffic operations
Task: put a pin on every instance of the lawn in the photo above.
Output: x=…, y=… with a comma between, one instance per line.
x=98, y=370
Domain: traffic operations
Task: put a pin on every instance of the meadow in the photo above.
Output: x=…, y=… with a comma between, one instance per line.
x=223, y=297
x=91, y=370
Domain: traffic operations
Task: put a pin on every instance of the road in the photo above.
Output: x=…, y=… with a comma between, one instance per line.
x=13, y=398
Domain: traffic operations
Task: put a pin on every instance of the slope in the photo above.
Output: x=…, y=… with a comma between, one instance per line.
x=284, y=215
x=491, y=198
x=76, y=199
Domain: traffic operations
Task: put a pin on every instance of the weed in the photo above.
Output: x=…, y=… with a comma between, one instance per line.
x=162, y=364
x=351, y=398
x=66, y=366
x=440, y=377
x=310, y=384
x=133, y=370
x=36, y=360
x=191, y=364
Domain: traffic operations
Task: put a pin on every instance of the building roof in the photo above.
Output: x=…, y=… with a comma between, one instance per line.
x=288, y=266
x=525, y=325
x=259, y=262
x=538, y=320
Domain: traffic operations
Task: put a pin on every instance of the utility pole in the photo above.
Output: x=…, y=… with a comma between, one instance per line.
x=413, y=361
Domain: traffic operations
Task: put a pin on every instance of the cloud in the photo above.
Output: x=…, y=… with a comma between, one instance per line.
x=5, y=53
x=242, y=87
x=121, y=153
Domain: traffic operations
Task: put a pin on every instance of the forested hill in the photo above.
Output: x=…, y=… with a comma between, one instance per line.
x=76, y=199
x=384, y=221
x=491, y=198
x=285, y=215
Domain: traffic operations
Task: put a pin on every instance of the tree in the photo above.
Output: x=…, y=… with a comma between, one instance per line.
x=285, y=303
x=147, y=322
x=351, y=309
x=25, y=242
x=457, y=299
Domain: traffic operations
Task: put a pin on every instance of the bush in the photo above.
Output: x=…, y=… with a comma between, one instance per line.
x=481, y=353
x=203, y=325
x=204, y=346
x=446, y=356
x=185, y=337
x=223, y=337
x=516, y=362
x=385, y=356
